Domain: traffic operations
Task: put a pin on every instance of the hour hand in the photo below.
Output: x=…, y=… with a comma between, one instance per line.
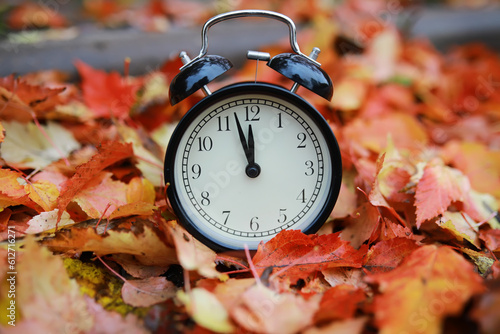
x=253, y=169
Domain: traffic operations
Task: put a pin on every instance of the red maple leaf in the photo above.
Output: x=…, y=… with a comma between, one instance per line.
x=304, y=254
x=339, y=302
x=107, y=94
x=437, y=189
x=387, y=254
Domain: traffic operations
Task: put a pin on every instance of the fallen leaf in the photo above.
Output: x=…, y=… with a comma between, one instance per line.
x=192, y=254
x=461, y=226
x=432, y=283
x=42, y=284
x=491, y=239
x=338, y=303
x=133, y=209
x=206, y=310
x=136, y=269
x=361, y=226
x=109, y=153
x=107, y=94
x=371, y=134
x=350, y=94
x=148, y=163
x=299, y=254
x=261, y=310
x=30, y=146
x=386, y=255
x=47, y=221
x=140, y=189
x=12, y=190
x=99, y=193
x=438, y=188
x=478, y=162
x=21, y=101
x=393, y=175
x=346, y=203
x=147, y=292
x=341, y=275
x=44, y=193
x=146, y=243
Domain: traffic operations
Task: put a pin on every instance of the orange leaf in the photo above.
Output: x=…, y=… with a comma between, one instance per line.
x=480, y=163
x=304, y=254
x=387, y=254
x=21, y=101
x=372, y=134
x=35, y=15
x=109, y=153
x=10, y=185
x=339, y=302
x=133, y=209
x=437, y=189
x=99, y=193
x=431, y=283
x=12, y=192
x=107, y=95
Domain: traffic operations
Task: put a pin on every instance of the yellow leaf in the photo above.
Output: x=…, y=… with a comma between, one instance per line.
x=140, y=190
x=43, y=193
x=26, y=146
x=146, y=243
x=206, y=310
x=133, y=209
x=461, y=226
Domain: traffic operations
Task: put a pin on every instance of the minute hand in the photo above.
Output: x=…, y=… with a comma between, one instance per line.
x=243, y=140
x=252, y=170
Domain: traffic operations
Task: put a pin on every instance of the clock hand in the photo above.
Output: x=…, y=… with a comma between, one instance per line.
x=243, y=140
x=251, y=146
x=252, y=170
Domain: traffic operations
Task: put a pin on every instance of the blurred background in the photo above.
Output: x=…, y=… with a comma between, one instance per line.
x=51, y=34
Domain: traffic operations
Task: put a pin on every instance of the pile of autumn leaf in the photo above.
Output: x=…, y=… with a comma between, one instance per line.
x=411, y=245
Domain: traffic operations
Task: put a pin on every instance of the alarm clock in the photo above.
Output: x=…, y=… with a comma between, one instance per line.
x=253, y=158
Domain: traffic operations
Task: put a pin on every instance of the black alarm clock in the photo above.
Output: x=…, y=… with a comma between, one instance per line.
x=251, y=159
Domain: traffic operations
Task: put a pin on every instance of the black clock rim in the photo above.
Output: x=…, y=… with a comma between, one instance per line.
x=236, y=89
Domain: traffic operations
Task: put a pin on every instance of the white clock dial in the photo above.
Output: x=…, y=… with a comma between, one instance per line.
x=249, y=166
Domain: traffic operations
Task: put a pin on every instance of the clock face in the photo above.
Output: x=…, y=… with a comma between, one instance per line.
x=250, y=161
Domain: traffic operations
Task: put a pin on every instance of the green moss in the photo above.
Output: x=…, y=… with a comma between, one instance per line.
x=98, y=283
